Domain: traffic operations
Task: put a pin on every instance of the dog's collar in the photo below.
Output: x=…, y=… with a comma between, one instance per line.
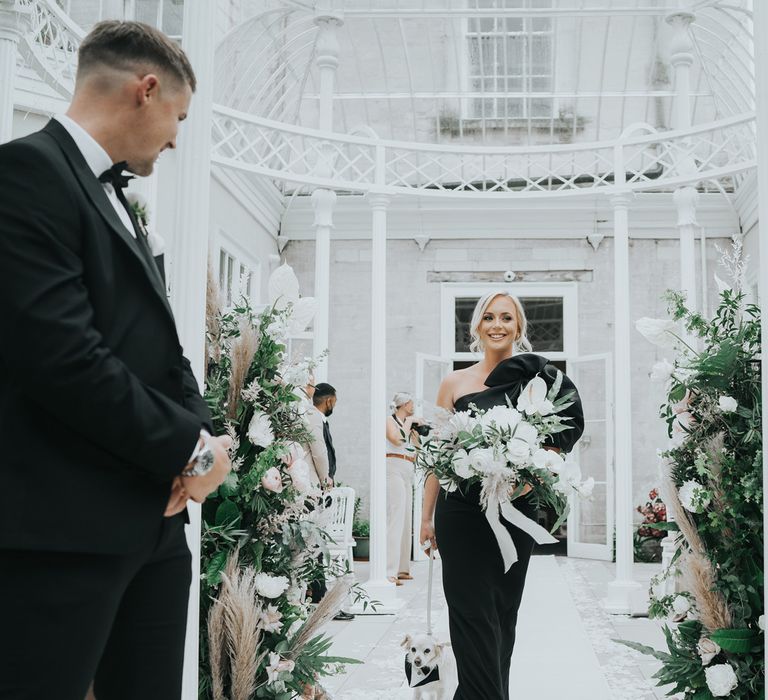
x=431, y=677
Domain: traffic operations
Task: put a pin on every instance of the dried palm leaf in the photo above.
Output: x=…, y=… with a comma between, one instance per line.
x=243, y=350
x=216, y=643
x=319, y=617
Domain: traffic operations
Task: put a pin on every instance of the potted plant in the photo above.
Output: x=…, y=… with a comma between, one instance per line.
x=647, y=538
x=361, y=531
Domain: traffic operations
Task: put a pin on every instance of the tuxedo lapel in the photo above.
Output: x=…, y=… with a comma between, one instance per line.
x=94, y=190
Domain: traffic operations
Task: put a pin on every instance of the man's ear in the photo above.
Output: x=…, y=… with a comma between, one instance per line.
x=149, y=86
x=406, y=642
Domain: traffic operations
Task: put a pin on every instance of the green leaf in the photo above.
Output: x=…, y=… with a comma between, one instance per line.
x=736, y=641
x=227, y=514
x=229, y=487
x=216, y=565
x=644, y=649
x=667, y=527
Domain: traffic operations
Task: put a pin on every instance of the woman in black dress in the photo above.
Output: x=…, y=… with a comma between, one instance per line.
x=482, y=599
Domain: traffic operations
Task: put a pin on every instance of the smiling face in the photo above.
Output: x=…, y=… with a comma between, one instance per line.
x=499, y=327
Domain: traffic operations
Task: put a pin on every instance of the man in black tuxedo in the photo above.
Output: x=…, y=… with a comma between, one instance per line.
x=105, y=435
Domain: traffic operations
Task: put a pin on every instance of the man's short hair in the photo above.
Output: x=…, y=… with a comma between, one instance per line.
x=131, y=45
x=322, y=391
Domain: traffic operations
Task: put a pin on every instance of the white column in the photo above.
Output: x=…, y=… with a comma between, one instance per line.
x=378, y=587
x=13, y=23
x=188, y=259
x=622, y=589
x=761, y=84
x=686, y=199
x=323, y=200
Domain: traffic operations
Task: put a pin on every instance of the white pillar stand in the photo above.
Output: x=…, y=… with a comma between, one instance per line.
x=323, y=202
x=760, y=11
x=189, y=260
x=378, y=587
x=623, y=588
x=13, y=23
x=686, y=199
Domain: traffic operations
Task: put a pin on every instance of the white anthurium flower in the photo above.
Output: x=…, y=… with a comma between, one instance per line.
x=269, y=586
x=681, y=605
x=533, y=398
x=694, y=497
x=260, y=431
x=527, y=433
x=658, y=331
x=277, y=666
x=727, y=404
x=462, y=464
x=518, y=451
x=500, y=417
x=721, y=680
x=283, y=287
x=301, y=314
x=548, y=459
x=662, y=371
x=707, y=650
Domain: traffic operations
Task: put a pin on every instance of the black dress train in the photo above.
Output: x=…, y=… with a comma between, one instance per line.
x=483, y=600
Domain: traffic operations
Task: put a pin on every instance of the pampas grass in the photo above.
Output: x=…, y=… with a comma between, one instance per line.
x=325, y=610
x=243, y=351
x=216, y=642
x=212, y=316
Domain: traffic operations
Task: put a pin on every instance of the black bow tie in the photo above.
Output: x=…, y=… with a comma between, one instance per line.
x=114, y=176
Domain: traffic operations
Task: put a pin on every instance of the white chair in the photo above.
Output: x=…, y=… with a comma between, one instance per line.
x=338, y=525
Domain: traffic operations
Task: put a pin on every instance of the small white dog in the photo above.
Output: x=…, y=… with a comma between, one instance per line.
x=430, y=667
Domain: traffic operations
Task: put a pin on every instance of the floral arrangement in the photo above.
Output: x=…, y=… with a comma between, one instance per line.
x=654, y=511
x=713, y=470
x=262, y=539
x=501, y=449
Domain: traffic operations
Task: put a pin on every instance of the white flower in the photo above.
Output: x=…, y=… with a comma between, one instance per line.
x=272, y=480
x=533, y=399
x=283, y=287
x=301, y=314
x=727, y=404
x=527, y=433
x=708, y=650
x=694, y=497
x=485, y=460
x=449, y=485
x=681, y=605
x=548, y=459
x=260, y=430
x=662, y=371
x=269, y=586
x=721, y=680
x=299, y=473
x=500, y=417
x=277, y=666
x=296, y=374
x=278, y=328
x=462, y=422
x=658, y=331
x=296, y=625
x=761, y=622
x=569, y=480
x=462, y=464
x=271, y=619
x=518, y=451
x=138, y=199
x=295, y=594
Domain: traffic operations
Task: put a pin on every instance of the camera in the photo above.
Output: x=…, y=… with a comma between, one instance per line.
x=509, y=276
x=422, y=429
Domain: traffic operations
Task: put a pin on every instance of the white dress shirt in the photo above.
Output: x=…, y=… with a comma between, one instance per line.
x=98, y=161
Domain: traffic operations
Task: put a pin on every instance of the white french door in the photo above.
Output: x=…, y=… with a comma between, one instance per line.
x=591, y=522
x=430, y=371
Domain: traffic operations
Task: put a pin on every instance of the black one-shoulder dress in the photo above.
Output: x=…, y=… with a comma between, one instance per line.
x=482, y=599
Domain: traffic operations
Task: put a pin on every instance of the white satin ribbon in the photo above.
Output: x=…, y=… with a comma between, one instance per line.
x=495, y=512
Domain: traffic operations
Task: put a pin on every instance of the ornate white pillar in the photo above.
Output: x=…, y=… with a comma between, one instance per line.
x=686, y=199
x=323, y=200
x=13, y=23
x=188, y=258
x=622, y=589
x=760, y=11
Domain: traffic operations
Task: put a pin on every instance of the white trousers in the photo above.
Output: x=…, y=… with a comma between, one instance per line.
x=399, y=515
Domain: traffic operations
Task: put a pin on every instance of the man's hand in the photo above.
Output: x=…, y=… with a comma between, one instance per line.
x=178, y=500
x=198, y=487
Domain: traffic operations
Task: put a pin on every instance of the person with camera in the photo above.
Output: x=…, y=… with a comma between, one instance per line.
x=403, y=431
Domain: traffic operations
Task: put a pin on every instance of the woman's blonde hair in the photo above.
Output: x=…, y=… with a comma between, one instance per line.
x=400, y=399
x=522, y=344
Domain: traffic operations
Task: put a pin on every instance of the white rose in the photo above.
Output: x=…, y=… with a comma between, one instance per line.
x=526, y=432
x=721, y=680
x=462, y=464
x=548, y=459
x=518, y=451
x=461, y=422
x=485, y=460
x=500, y=417
x=269, y=586
x=658, y=331
x=708, y=650
x=761, y=622
x=260, y=430
x=727, y=404
x=662, y=371
x=681, y=605
x=533, y=398
x=694, y=496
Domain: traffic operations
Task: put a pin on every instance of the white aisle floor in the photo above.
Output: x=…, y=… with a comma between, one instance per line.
x=565, y=648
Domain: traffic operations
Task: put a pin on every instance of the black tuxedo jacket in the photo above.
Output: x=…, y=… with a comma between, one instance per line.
x=99, y=409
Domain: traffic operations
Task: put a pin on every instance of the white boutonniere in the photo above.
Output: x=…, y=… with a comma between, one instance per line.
x=140, y=208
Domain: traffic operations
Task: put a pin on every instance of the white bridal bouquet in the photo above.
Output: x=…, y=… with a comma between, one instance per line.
x=501, y=449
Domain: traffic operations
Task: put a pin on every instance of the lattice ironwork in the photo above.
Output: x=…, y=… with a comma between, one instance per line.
x=655, y=161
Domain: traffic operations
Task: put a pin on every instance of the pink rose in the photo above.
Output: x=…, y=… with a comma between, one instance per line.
x=272, y=481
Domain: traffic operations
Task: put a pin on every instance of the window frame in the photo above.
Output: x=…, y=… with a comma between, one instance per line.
x=224, y=243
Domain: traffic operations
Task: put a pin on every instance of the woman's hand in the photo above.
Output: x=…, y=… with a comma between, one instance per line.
x=427, y=534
